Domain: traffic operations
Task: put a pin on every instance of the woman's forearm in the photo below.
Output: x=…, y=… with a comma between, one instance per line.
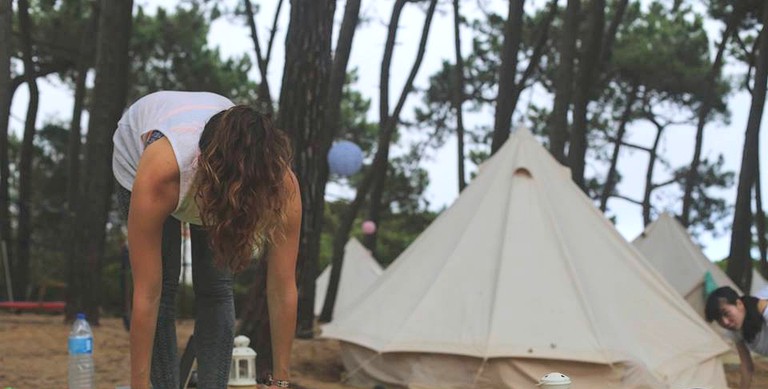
x=745, y=382
x=282, y=301
x=143, y=323
x=746, y=377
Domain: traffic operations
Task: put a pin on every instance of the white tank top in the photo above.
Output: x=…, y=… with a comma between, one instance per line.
x=181, y=117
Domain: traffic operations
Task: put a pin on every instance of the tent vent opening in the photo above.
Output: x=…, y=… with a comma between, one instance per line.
x=523, y=172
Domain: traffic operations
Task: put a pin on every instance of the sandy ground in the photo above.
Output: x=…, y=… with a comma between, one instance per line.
x=33, y=355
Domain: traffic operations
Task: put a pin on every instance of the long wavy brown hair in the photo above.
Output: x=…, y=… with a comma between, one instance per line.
x=240, y=183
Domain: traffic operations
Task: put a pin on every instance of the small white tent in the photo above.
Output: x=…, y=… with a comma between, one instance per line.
x=759, y=286
x=668, y=247
x=358, y=272
x=522, y=276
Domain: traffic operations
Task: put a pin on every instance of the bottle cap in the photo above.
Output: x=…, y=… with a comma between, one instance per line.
x=80, y=316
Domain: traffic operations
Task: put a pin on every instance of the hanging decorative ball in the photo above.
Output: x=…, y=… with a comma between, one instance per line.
x=368, y=227
x=345, y=158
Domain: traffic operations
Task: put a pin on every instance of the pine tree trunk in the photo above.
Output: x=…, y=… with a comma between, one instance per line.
x=587, y=74
x=610, y=34
x=653, y=155
x=254, y=321
x=692, y=176
x=610, y=179
x=513, y=31
x=109, y=95
x=301, y=114
x=390, y=122
x=24, y=233
x=333, y=121
x=762, y=240
x=385, y=136
x=542, y=36
x=265, y=96
x=74, y=146
x=339, y=242
x=6, y=13
x=558, y=127
x=458, y=93
x=740, y=260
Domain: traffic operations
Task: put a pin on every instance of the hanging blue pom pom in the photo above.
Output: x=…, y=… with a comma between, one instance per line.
x=345, y=158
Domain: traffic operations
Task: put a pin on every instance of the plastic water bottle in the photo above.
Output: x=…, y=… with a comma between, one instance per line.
x=80, y=369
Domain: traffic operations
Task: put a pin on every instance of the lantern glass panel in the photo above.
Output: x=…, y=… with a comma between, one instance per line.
x=243, y=368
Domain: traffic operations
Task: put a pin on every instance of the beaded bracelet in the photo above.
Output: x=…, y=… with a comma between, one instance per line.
x=279, y=383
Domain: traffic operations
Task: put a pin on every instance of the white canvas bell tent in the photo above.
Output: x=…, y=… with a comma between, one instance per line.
x=667, y=246
x=358, y=272
x=759, y=286
x=522, y=276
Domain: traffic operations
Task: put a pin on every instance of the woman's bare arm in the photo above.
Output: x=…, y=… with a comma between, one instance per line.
x=153, y=197
x=281, y=285
x=747, y=367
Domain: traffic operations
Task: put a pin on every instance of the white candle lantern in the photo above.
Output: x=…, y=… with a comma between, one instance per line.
x=555, y=380
x=243, y=369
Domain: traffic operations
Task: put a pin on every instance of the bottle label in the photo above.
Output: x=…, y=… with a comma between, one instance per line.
x=81, y=345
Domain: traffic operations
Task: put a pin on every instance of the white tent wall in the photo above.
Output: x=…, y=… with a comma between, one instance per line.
x=366, y=368
x=359, y=271
x=759, y=286
x=668, y=247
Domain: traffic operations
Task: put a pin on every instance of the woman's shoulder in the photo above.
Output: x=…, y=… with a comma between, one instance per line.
x=158, y=162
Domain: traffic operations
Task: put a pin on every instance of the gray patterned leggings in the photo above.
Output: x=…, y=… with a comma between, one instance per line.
x=214, y=309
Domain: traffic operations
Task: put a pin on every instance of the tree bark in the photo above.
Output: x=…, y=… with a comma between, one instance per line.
x=558, y=127
x=390, y=125
x=652, y=156
x=513, y=31
x=265, y=96
x=302, y=108
x=588, y=69
x=458, y=93
x=762, y=241
x=740, y=260
x=255, y=320
x=610, y=33
x=692, y=176
x=538, y=51
x=41, y=70
x=74, y=146
x=333, y=122
x=384, y=136
x=339, y=242
x=24, y=232
x=6, y=12
x=610, y=179
x=109, y=97
x=273, y=31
